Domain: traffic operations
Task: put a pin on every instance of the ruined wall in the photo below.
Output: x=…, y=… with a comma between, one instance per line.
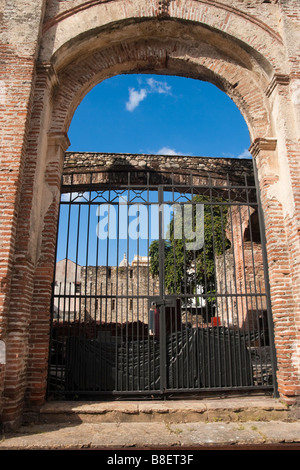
x=200, y=167
x=53, y=52
x=104, y=293
x=240, y=272
x=20, y=42
x=117, y=283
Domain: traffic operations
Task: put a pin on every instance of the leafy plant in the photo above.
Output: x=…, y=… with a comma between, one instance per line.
x=187, y=269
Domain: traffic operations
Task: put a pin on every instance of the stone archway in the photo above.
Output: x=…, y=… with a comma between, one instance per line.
x=83, y=45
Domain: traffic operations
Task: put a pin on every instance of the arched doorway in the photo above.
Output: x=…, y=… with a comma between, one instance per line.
x=187, y=309
x=72, y=66
x=173, y=315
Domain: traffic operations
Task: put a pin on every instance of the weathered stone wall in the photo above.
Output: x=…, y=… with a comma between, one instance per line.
x=91, y=168
x=125, y=291
x=103, y=293
x=53, y=52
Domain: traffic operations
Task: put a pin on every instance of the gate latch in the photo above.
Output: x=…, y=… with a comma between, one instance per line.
x=158, y=302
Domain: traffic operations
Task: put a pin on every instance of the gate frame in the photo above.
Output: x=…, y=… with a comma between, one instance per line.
x=89, y=179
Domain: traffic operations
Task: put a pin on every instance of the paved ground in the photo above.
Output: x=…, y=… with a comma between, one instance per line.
x=135, y=425
x=151, y=435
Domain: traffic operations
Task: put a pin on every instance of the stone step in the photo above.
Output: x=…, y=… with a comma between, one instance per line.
x=175, y=411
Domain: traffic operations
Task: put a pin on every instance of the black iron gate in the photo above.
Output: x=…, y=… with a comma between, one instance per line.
x=160, y=286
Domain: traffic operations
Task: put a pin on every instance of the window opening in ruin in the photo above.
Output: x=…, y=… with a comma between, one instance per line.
x=252, y=231
x=77, y=287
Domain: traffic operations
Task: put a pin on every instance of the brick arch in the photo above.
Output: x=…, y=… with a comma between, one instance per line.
x=68, y=22
x=248, y=73
x=228, y=45
x=134, y=48
x=174, y=57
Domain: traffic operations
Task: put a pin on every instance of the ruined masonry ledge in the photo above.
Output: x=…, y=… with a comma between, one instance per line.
x=179, y=411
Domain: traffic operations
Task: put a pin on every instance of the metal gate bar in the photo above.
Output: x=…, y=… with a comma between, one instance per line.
x=160, y=287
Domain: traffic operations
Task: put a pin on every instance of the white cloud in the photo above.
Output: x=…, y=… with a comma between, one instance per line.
x=67, y=197
x=156, y=86
x=135, y=97
x=227, y=155
x=245, y=154
x=167, y=151
x=152, y=86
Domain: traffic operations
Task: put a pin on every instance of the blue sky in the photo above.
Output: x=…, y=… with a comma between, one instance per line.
x=153, y=115
x=159, y=114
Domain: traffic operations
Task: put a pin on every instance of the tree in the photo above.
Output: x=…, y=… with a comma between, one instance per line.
x=187, y=269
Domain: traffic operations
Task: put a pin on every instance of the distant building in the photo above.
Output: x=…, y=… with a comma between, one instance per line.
x=104, y=293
